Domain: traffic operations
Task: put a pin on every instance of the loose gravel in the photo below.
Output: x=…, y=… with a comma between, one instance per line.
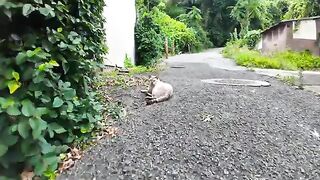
x=209, y=131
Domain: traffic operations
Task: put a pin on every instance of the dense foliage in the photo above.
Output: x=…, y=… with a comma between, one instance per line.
x=177, y=32
x=221, y=17
x=155, y=26
x=48, y=53
x=149, y=41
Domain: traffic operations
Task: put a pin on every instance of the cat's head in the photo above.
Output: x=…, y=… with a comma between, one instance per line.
x=153, y=79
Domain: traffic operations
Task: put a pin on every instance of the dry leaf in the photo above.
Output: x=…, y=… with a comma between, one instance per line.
x=66, y=165
x=26, y=175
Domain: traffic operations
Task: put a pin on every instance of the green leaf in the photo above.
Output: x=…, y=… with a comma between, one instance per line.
x=46, y=148
x=13, y=111
x=5, y=103
x=47, y=10
x=38, y=1
x=40, y=167
x=59, y=29
x=8, y=13
x=37, y=125
x=21, y=58
x=23, y=128
x=37, y=94
x=57, y=102
x=29, y=149
x=40, y=112
x=70, y=106
x=3, y=149
x=69, y=93
x=27, y=9
x=57, y=128
x=28, y=108
x=53, y=63
x=16, y=75
x=42, y=67
x=13, y=86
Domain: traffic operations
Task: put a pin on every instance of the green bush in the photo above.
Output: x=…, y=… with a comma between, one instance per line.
x=175, y=31
x=194, y=20
x=287, y=60
x=49, y=51
x=252, y=38
x=149, y=42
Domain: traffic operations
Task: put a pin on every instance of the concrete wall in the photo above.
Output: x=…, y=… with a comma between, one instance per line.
x=287, y=36
x=275, y=39
x=121, y=17
x=304, y=38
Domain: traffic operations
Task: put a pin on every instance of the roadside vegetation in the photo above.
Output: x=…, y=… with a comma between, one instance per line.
x=250, y=13
x=288, y=60
x=54, y=98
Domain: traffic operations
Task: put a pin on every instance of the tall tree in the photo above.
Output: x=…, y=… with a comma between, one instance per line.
x=246, y=10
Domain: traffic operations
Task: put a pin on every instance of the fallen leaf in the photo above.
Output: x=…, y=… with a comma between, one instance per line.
x=26, y=175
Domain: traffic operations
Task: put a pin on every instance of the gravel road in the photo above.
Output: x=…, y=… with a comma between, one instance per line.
x=211, y=131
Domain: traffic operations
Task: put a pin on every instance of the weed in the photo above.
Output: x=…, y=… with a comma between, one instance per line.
x=289, y=80
x=287, y=60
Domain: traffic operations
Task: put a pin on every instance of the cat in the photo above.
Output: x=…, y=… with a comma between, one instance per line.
x=158, y=91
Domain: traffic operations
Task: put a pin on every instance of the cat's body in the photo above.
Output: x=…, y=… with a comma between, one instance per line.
x=158, y=91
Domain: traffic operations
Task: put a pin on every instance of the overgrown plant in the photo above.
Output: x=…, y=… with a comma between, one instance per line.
x=49, y=51
x=149, y=42
x=288, y=60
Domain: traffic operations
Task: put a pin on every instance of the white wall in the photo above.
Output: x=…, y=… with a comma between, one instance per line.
x=307, y=29
x=121, y=17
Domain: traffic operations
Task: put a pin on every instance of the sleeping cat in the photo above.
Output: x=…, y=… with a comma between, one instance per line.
x=158, y=91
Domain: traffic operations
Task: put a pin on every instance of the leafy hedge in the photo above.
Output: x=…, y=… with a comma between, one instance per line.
x=176, y=31
x=48, y=53
x=149, y=41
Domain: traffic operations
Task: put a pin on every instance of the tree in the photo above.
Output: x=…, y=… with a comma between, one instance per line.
x=302, y=8
x=246, y=10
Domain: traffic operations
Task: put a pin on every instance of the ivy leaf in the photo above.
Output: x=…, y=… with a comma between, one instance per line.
x=69, y=93
x=23, y=128
x=57, y=128
x=27, y=9
x=46, y=148
x=53, y=63
x=40, y=112
x=21, y=58
x=16, y=75
x=38, y=1
x=13, y=86
x=37, y=125
x=8, y=13
x=28, y=108
x=13, y=111
x=47, y=10
x=57, y=102
x=40, y=167
x=3, y=149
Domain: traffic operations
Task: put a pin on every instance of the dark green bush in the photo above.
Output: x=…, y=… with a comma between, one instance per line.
x=48, y=53
x=149, y=42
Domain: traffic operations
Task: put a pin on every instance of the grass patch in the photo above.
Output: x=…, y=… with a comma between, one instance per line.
x=289, y=80
x=287, y=60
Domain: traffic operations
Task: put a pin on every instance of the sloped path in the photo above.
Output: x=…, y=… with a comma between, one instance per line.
x=211, y=132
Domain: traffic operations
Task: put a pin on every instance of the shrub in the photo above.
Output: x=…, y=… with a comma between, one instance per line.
x=49, y=51
x=149, y=42
x=194, y=20
x=251, y=38
x=175, y=31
